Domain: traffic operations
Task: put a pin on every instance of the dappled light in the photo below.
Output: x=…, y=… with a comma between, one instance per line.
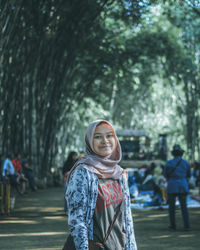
x=45, y=227
x=36, y=222
x=157, y=215
x=187, y=236
x=54, y=218
x=43, y=209
x=161, y=236
x=19, y=222
x=33, y=234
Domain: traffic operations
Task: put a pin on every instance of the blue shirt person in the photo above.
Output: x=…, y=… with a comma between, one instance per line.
x=177, y=170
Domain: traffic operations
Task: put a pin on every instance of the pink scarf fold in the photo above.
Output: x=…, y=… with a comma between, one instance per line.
x=103, y=167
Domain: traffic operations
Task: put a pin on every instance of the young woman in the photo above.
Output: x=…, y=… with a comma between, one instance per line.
x=97, y=194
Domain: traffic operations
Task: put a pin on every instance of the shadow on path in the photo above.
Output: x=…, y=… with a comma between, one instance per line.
x=38, y=222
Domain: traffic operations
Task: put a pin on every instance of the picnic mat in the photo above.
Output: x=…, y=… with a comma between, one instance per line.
x=140, y=201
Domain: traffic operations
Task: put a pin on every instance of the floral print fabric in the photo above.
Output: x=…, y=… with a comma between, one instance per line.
x=81, y=196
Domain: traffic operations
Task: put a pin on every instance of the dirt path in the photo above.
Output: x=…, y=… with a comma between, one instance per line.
x=151, y=230
x=40, y=223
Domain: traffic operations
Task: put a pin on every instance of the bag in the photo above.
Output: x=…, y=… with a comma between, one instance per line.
x=69, y=244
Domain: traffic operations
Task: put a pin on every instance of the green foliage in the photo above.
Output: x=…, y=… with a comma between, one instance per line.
x=65, y=63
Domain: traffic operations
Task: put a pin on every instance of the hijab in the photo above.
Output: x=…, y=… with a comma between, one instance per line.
x=103, y=167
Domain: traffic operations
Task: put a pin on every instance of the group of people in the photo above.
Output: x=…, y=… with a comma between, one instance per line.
x=97, y=190
x=18, y=172
x=168, y=182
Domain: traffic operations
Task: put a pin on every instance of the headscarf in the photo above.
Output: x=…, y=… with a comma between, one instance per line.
x=103, y=167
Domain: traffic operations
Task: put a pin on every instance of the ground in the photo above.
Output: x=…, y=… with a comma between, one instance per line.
x=38, y=222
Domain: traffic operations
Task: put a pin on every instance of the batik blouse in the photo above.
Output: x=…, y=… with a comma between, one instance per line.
x=81, y=196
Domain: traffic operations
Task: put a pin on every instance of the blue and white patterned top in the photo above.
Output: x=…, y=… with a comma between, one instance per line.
x=81, y=196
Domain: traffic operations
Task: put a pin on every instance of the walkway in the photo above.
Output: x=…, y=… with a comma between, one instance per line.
x=40, y=223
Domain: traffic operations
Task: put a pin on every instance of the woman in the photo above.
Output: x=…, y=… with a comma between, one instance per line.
x=97, y=191
x=69, y=163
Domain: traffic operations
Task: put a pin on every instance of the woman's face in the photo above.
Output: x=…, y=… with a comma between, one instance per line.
x=104, y=142
x=75, y=157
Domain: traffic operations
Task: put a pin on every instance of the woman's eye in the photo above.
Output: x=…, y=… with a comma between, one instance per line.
x=109, y=136
x=97, y=137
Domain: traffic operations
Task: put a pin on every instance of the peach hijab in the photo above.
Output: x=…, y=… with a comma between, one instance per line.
x=103, y=167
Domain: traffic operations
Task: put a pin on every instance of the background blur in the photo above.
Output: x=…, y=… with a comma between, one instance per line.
x=66, y=63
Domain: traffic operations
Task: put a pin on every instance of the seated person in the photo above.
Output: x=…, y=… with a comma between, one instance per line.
x=18, y=168
x=28, y=172
x=149, y=180
x=156, y=198
x=9, y=174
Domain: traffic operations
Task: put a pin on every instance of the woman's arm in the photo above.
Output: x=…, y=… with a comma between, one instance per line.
x=130, y=236
x=77, y=194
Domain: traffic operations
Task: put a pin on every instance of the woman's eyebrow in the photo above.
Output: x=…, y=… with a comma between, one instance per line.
x=99, y=133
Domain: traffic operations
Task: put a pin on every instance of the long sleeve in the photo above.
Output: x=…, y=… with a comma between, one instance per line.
x=77, y=202
x=130, y=235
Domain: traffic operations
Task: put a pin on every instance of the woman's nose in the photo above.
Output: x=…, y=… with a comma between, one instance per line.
x=104, y=139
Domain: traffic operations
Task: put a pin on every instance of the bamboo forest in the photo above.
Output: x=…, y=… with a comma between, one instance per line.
x=65, y=63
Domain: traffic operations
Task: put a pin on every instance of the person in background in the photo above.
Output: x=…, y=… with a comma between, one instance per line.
x=1, y=166
x=69, y=163
x=18, y=169
x=197, y=174
x=97, y=194
x=28, y=172
x=9, y=174
x=156, y=198
x=162, y=183
x=177, y=171
x=149, y=181
x=81, y=154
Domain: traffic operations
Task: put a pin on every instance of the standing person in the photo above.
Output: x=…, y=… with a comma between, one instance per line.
x=97, y=194
x=28, y=172
x=177, y=171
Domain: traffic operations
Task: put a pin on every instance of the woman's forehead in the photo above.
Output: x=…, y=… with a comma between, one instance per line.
x=104, y=127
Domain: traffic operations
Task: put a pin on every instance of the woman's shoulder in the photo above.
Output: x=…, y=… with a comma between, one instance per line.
x=82, y=172
x=81, y=179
